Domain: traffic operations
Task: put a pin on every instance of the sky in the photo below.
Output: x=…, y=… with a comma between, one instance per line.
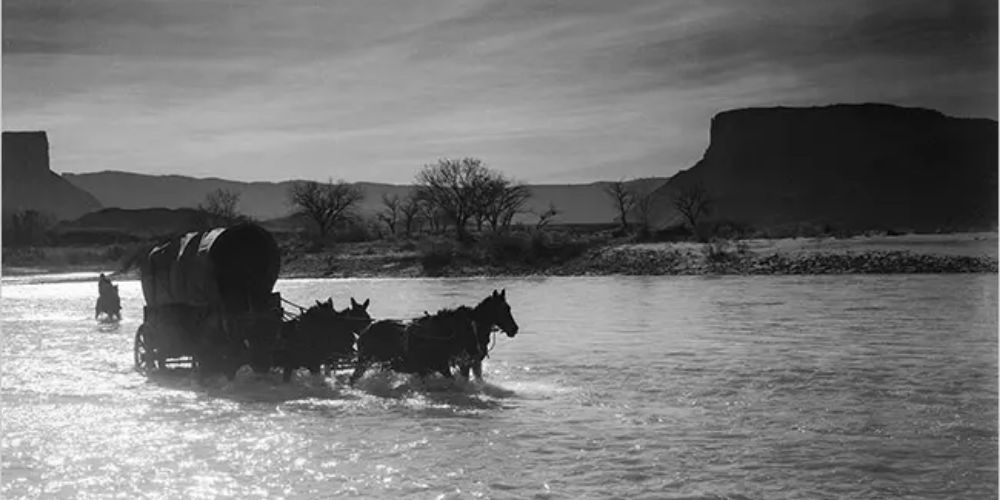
x=543, y=90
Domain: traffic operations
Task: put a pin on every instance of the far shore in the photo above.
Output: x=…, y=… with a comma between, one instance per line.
x=913, y=253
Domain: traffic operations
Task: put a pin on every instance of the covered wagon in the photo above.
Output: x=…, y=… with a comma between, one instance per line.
x=210, y=301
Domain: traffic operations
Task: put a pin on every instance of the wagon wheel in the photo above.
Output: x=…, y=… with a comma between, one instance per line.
x=145, y=361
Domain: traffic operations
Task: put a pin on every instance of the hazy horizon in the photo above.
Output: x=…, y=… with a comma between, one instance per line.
x=412, y=182
x=560, y=91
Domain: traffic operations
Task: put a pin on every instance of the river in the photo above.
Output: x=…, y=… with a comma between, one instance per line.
x=615, y=387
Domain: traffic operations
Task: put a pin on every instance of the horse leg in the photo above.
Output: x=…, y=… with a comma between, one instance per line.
x=286, y=375
x=464, y=370
x=477, y=369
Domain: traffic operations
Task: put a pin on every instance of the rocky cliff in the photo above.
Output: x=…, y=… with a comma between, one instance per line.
x=28, y=183
x=863, y=166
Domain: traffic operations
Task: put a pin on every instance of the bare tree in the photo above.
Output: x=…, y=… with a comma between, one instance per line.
x=693, y=202
x=452, y=187
x=391, y=211
x=324, y=204
x=429, y=212
x=642, y=207
x=623, y=199
x=501, y=199
x=219, y=207
x=546, y=217
x=409, y=210
x=484, y=190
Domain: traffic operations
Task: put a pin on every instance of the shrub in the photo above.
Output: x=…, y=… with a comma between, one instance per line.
x=435, y=256
x=26, y=256
x=26, y=228
x=355, y=230
x=515, y=247
x=115, y=252
x=558, y=246
x=673, y=233
x=720, y=251
x=725, y=229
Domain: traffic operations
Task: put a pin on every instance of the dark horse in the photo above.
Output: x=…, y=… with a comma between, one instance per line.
x=492, y=311
x=109, y=303
x=319, y=336
x=434, y=342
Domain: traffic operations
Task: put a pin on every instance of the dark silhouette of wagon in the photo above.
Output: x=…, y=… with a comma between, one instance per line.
x=210, y=302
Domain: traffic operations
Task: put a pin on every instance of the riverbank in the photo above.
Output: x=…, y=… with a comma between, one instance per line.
x=936, y=253
x=947, y=253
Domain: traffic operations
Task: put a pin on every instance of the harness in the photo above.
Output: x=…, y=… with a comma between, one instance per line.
x=290, y=316
x=293, y=304
x=454, y=333
x=492, y=344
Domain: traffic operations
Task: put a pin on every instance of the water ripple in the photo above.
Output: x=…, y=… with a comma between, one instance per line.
x=742, y=387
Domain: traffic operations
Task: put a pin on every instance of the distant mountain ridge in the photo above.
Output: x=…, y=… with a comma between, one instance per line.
x=578, y=203
x=848, y=166
x=842, y=166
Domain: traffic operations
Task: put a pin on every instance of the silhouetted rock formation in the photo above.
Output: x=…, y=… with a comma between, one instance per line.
x=863, y=166
x=29, y=184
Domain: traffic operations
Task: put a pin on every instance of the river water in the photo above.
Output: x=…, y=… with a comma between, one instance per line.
x=616, y=387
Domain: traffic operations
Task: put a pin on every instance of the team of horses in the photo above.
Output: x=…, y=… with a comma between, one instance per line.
x=322, y=338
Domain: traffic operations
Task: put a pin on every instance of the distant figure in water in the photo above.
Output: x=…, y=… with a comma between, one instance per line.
x=108, y=300
x=103, y=285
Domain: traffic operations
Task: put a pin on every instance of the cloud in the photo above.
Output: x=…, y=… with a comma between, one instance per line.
x=372, y=89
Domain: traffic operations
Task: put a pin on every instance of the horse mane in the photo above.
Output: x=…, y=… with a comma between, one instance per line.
x=446, y=313
x=458, y=312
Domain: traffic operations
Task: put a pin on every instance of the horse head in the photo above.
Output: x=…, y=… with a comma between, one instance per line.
x=359, y=308
x=495, y=310
x=321, y=329
x=357, y=316
x=321, y=313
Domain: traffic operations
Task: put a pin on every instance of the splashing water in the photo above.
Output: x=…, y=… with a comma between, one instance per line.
x=741, y=387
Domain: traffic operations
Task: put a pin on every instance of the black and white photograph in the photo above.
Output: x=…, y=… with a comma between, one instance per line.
x=499, y=249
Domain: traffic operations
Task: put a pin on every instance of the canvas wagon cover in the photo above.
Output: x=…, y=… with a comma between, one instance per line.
x=232, y=268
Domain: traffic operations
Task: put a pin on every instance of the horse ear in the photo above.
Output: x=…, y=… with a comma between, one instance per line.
x=365, y=305
x=503, y=293
x=494, y=293
x=354, y=303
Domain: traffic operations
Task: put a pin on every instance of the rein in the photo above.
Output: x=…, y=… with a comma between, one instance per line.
x=493, y=343
x=290, y=316
x=293, y=304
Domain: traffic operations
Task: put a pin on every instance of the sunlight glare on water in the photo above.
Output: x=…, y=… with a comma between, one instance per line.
x=633, y=387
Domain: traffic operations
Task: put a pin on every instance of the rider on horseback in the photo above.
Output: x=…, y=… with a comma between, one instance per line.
x=104, y=286
x=107, y=301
